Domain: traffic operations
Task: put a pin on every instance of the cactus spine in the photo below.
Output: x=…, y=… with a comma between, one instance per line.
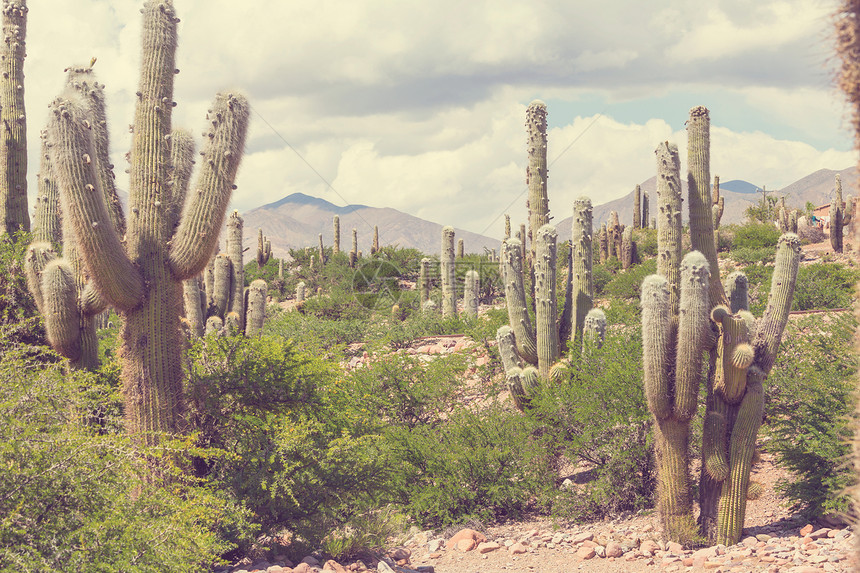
x=448, y=270
x=336, y=246
x=13, y=161
x=141, y=277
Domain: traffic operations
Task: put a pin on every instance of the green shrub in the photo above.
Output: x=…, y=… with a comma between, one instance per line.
x=626, y=284
x=646, y=243
x=809, y=412
x=824, y=285
x=753, y=255
x=754, y=235
x=74, y=494
x=600, y=418
x=20, y=323
x=601, y=276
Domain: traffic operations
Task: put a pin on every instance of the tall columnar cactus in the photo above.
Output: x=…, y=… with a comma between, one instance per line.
x=594, y=329
x=335, y=248
x=448, y=270
x=424, y=282
x=194, y=309
x=603, y=240
x=582, y=279
x=840, y=217
x=536, y=171
x=374, y=249
x=471, y=293
x=300, y=292
x=13, y=161
x=141, y=277
x=235, y=250
x=256, y=307
x=646, y=221
x=264, y=249
x=47, y=227
x=507, y=226
x=628, y=248
x=461, y=249
x=613, y=236
x=738, y=359
x=321, y=250
x=637, y=207
x=719, y=204
x=353, y=253
x=546, y=310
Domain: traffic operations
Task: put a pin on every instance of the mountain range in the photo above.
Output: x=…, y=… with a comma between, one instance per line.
x=297, y=220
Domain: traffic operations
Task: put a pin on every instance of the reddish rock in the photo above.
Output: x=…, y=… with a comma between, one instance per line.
x=465, y=545
x=820, y=533
x=674, y=547
x=806, y=530
x=582, y=537
x=332, y=565
x=435, y=555
x=399, y=553
x=613, y=550
x=649, y=547
x=517, y=549
x=302, y=568
x=475, y=536
x=585, y=552
x=488, y=546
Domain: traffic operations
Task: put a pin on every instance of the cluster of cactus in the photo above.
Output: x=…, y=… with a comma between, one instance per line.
x=13, y=161
x=686, y=313
x=533, y=353
x=841, y=215
x=640, y=208
x=787, y=218
x=224, y=305
x=615, y=240
x=139, y=274
x=264, y=249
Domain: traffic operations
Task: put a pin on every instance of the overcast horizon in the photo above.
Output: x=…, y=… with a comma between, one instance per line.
x=421, y=106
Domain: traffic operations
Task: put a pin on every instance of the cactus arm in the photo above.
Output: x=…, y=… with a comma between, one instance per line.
x=536, y=171
x=182, y=150
x=91, y=301
x=46, y=222
x=669, y=220
x=582, y=284
x=506, y=343
x=546, y=309
x=256, y=314
x=771, y=326
x=692, y=325
x=714, y=454
x=82, y=80
x=515, y=298
x=700, y=201
x=737, y=291
x=656, y=341
x=594, y=329
x=13, y=163
x=62, y=317
x=195, y=240
x=39, y=254
x=118, y=280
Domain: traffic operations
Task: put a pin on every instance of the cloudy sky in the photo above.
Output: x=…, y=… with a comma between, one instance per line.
x=420, y=105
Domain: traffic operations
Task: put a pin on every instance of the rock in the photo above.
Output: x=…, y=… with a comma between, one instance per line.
x=806, y=530
x=613, y=550
x=763, y=537
x=399, y=553
x=587, y=536
x=649, y=547
x=674, y=547
x=488, y=546
x=311, y=560
x=332, y=565
x=475, y=536
x=517, y=549
x=436, y=545
x=434, y=555
x=600, y=551
x=465, y=545
x=586, y=553
x=820, y=533
x=383, y=567
x=302, y=568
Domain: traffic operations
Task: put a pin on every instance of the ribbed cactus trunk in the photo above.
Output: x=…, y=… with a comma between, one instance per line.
x=646, y=222
x=507, y=227
x=628, y=248
x=300, y=292
x=46, y=221
x=461, y=249
x=235, y=234
x=582, y=279
x=321, y=250
x=374, y=249
x=536, y=171
x=546, y=310
x=470, y=294
x=448, y=270
x=637, y=207
x=515, y=298
x=593, y=330
x=264, y=249
x=142, y=277
x=256, y=313
x=335, y=248
x=603, y=240
x=424, y=282
x=14, y=215
x=669, y=220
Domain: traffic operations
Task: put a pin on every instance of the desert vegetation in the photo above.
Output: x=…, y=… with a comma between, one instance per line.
x=166, y=406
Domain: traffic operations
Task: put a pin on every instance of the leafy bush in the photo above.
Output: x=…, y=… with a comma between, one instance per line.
x=809, y=411
x=626, y=284
x=824, y=285
x=810, y=234
x=20, y=323
x=646, y=243
x=75, y=496
x=755, y=235
x=601, y=276
x=753, y=255
x=599, y=418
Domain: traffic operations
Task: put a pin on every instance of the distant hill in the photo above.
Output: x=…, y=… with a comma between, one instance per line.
x=297, y=221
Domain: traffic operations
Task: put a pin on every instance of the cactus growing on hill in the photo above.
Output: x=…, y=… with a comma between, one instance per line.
x=637, y=207
x=628, y=248
x=536, y=170
x=603, y=239
x=840, y=217
x=141, y=277
x=321, y=250
x=424, y=282
x=335, y=248
x=264, y=249
x=646, y=222
x=471, y=294
x=448, y=270
x=461, y=249
x=13, y=161
x=582, y=280
x=374, y=249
